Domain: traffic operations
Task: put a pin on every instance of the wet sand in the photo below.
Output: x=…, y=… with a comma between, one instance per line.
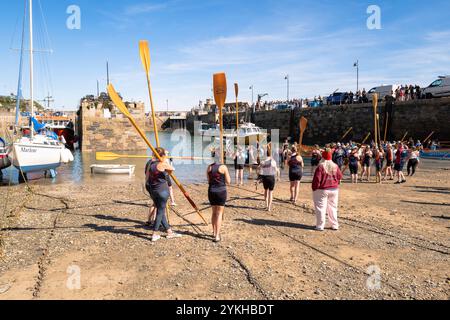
x=52, y=232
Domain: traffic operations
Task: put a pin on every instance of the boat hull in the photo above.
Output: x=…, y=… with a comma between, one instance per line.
x=436, y=154
x=4, y=161
x=34, y=157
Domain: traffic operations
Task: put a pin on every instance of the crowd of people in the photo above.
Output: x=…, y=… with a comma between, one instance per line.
x=265, y=166
x=402, y=93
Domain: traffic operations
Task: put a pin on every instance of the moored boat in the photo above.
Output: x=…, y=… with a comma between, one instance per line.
x=440, y=154
x=113, y=169
x=4, y=160
x=36, y=152
x=248, y=133
x=39, y=153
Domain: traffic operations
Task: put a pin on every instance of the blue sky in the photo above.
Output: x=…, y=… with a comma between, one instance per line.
x=254, y=42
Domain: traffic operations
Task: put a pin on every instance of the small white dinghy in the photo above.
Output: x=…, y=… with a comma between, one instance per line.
x=113, y=169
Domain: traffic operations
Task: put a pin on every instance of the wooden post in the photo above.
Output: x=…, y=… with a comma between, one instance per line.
x=386, y=127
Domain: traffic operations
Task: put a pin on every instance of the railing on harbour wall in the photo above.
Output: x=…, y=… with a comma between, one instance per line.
x=329, y=123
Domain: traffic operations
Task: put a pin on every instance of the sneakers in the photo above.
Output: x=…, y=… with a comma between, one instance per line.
x=156, y=238
x=173, y=235
x=319, y=229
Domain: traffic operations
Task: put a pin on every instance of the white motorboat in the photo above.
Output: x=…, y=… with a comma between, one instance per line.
x=246, y=130
x=249, y=130
x=113, y=169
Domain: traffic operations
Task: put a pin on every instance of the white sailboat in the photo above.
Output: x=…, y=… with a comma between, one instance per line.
x=37, y=152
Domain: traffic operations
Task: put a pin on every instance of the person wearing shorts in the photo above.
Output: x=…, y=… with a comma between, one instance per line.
x=239, y=161
x=367, y=155
x=353, y=160
x=379, y=156
x=389, y=162
x=218, y=179
x=295, y=173
x=268, y=170
x=400, y=163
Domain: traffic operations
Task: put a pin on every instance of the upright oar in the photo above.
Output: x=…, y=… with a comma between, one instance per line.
x=121, y=106
x=378, y=128
x=386, y=127
x=144, y=52
x=220, y=96
x=303, y=126
x=236, y=92
x=375, y=109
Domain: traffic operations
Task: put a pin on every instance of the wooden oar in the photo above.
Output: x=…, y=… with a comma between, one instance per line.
x=404, y=137
x=303, y=125
x=386, y=127
x=236, y=92
x=121, y=106
x=220, y=96
x=365, y=139
x=378, y=127
x=144, y=52
x=346, y=133
x=375, y=107
x=110, y=156
x=428, y=138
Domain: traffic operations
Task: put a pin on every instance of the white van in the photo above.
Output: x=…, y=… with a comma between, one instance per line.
x=382, y=91
x=439, y=88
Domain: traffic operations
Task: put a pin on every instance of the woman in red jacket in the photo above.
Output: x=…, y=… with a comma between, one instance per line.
x=325, y=187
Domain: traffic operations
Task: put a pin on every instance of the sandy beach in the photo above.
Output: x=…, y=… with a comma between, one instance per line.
x=88, y=241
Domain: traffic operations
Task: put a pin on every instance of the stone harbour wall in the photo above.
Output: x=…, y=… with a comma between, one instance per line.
x=114, y=133
x=329, y=123
x=111, y=135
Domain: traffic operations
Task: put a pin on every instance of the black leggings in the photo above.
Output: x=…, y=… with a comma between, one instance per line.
x=412, y=166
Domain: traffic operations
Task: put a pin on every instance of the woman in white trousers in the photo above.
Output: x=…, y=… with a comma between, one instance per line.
x=325, y=187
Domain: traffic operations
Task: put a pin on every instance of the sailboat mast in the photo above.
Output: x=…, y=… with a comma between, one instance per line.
x=31, y=67
x=19, y=84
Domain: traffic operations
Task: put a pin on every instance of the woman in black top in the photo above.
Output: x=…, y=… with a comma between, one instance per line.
x=157, y=186
x=295, y=173
x=218, y=178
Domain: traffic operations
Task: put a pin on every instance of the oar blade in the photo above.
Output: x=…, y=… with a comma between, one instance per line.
x=375, y=100
x=220, y=89
x=117, y=100
x=144, y=52
x=236, y=89
x=303, y=124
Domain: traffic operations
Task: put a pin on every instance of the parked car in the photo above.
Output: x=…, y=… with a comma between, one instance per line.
x=337, y=98
x=439, y=88
x=382, y=91
x=315, y=104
